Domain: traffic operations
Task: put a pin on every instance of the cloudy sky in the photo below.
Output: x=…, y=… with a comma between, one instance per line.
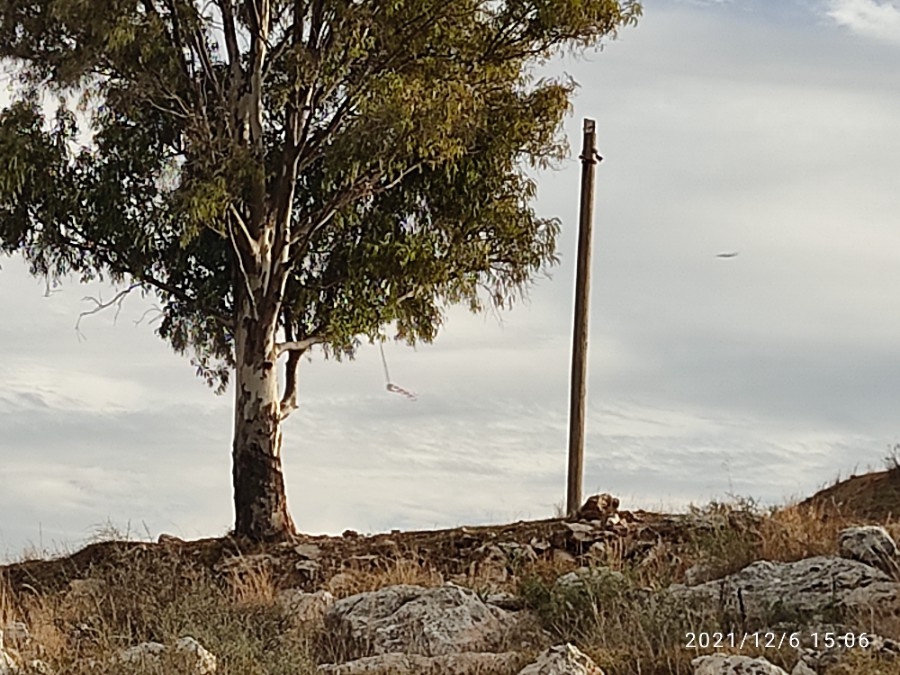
x=766, y=127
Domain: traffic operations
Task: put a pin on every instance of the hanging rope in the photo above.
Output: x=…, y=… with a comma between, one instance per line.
x=393, y=388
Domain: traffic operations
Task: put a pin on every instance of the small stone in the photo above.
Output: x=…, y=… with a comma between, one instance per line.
x=870, y=544
x=309, y=551
x=305, y=607
x=720, y=664
x=168, y=539
x=308, y=566
x=564, y=659
x=204, y=662
x=598, y=507
x=540, y=545
x=504, y=600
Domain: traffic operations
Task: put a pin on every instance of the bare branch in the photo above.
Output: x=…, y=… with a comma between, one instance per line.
x=298, y=346
x=143, y=277
x=117, y=301
x=159, y=314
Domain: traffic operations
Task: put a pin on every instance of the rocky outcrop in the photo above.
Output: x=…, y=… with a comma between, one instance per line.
x=817, y=657
x=417, y=620
x=447, y=629
x=810, y=589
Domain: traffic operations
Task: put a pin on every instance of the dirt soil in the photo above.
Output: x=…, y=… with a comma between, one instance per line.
x=869, y=497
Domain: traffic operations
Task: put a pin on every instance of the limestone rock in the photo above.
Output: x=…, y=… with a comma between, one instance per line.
x=806, y=587
x=417, y=620
x=308, y=551
x=201, y=661
x=472, y=663
x=598, y=507
x=870, y=544
x=815, y=658
x=304, y=606
x=564, y=659
x=802, y=669
x=505, y=600
x=722, y=664
x=698, y=573
x=585, y=577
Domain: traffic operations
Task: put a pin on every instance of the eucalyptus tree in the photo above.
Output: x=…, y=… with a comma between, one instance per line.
x=286, y=173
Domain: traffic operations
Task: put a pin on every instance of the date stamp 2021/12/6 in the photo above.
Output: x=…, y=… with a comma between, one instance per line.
x=775, y=640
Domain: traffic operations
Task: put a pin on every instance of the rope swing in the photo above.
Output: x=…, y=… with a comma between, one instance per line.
x=393, y=388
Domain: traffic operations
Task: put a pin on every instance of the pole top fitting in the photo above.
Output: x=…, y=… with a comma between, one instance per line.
x=589, y=125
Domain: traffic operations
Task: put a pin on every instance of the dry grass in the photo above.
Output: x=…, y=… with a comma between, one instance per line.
x=622, y=615
x=141, y=600
x=386, y=573
x=626, y=621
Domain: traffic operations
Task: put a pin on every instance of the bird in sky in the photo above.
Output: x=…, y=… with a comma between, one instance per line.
x=730, y=254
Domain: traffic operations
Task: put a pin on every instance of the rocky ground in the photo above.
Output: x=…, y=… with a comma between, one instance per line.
x=726, y=589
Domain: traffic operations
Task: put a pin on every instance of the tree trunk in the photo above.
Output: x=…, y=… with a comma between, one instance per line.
x=260, y=503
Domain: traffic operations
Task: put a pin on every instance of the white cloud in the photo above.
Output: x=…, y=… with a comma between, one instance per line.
x=871, y=18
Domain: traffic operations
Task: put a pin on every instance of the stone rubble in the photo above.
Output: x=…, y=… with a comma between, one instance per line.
x=808, y=588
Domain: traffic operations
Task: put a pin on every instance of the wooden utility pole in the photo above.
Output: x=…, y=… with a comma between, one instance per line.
x=589, y=158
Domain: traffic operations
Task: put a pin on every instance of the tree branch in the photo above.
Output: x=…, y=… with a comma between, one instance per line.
x=298, y=346
x=364, y=187
x=117, y=301
x=247, y=238
x=145, y=278
x=243, y=269
x=289, y=400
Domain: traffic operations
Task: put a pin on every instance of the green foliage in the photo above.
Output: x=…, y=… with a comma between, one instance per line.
x=346, y=165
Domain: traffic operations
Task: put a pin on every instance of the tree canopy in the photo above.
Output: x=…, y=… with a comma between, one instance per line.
x=315, y=169
x=405, y=123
